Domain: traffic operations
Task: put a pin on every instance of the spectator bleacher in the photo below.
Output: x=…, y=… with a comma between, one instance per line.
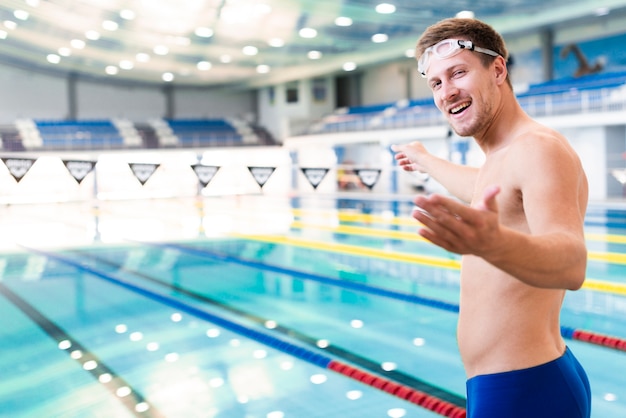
x=204, y=132
x=591, y=93
x=62, y=135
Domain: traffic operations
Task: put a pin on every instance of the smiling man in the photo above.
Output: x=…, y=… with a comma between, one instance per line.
x=518, y=222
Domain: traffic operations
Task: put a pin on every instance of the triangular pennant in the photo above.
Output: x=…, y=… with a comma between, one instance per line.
x=205, y=173
x=143, y=171
x=368, y=176
x=314, y=175
x=79, y=169
x=261, y=174
x=18, y=167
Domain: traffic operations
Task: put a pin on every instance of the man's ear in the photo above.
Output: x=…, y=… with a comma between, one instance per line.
x=500, y=69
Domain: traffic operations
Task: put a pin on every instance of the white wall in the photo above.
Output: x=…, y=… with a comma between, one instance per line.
x=134, y=103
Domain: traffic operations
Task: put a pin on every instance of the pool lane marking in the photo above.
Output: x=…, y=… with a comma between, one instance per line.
x=567, y=332
x=412, y=395
x=346, y=355
x=430, y=261
x=348, y=216
x=57, y=333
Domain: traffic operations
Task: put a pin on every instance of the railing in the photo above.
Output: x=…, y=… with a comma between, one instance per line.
x=568, y=102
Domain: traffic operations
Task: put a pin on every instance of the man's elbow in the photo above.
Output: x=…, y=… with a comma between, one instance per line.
x=578, y=272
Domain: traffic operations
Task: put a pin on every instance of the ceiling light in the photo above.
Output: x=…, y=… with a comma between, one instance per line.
x=9, y=24
x=127, y=14
x=167, y=77
x=385, y=8
x=126, y=65
x=203, y=32
x=203, y=65
x=409, y=53
x=65, y=52
x=161, y=50
x=380, y=38
x=92, y=35
x=110, y=25
x=3, y=34
x=314, y=55
x=602, y=11
x=465, y=14
x=262, y=69
x=349, y=66
x=53, y=58
x=308, y=33
x=142, y=57
x=276, y=42
x=250, y=50
x=33, y=3
x=77, y=43
x=20, y=14
x=225, y=59
x=111, y=70
x=343, y=21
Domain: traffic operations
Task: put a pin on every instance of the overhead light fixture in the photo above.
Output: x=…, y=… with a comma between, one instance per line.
x=204, y=65
x=225, y=59
x=111, y=70
x=263, y=69
x=250, y=50
x=602, y=11
x=204, y=32
x=410, y=53
x=110, y=25
x=92, y=35
x=65, y=52
x=314, y=55
x=3, y=34
x=465, y=14
x=167, y=77
x=126, y=65
x=308, y=33
x=77, y=43
x=343, y=21
x=21, y=14
x=142, y=57
x=127, y=14
x=161, y=50
x=385, y=8
x=349, y=66
x=9, y=24
x=380, y=38
x=53, y=58
x=276, y=42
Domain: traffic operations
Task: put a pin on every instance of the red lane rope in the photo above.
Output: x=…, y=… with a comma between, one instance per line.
x=600, y=339
x=417, y=397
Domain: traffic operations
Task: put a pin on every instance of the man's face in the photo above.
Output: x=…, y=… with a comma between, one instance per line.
x=462, y=89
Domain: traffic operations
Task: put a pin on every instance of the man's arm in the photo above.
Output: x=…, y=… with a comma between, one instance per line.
x=551, y=251
x=457, y=179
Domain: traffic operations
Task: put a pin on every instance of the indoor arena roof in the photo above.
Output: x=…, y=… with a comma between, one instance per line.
x=246, y=43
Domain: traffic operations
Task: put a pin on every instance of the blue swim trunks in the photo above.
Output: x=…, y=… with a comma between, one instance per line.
x=557, y=389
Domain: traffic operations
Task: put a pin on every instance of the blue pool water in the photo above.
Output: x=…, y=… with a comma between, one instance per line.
x=242, y=323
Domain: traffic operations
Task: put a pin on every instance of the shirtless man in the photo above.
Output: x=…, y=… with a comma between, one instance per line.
x=517, y=221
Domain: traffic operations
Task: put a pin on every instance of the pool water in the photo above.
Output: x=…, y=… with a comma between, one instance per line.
x=246, y=315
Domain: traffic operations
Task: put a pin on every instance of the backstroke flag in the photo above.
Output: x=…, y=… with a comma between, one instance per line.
x=205, y=173
x=314, y=175
x=261, y=174
x=18, y=167
x=143, y=171
x=79, y=169
x=368, y=176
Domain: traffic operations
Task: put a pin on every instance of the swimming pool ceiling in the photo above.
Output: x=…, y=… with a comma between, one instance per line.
x=245, y=43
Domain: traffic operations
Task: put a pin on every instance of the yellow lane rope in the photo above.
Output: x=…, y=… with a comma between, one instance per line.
x=431, y=261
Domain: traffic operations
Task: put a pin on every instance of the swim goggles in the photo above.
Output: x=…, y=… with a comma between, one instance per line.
x=446, y=49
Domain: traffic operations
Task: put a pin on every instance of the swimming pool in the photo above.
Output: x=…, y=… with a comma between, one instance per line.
x=257, y=306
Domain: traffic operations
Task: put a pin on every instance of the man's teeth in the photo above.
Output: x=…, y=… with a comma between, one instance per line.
x=459, y=108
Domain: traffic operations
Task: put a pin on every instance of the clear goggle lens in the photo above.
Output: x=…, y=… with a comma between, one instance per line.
x=446, y=49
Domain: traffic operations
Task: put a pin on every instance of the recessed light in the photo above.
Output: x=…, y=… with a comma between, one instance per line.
x=308, y=33
x=385, y=8
x=343, y=21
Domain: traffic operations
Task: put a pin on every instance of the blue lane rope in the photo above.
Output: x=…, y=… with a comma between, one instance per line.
x=365, y=288
x=271, y=341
